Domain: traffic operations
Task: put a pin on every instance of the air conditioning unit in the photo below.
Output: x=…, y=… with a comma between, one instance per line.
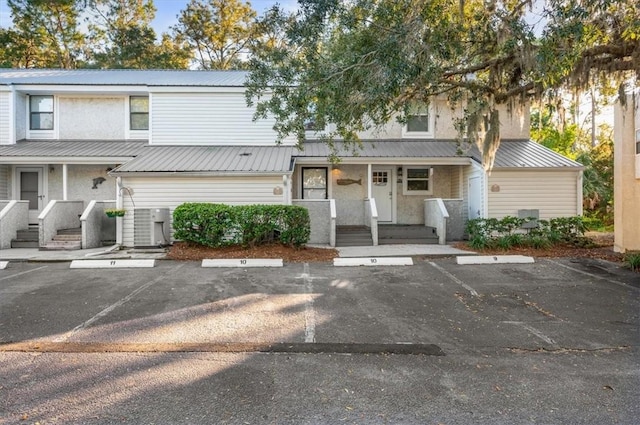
x=151, y=227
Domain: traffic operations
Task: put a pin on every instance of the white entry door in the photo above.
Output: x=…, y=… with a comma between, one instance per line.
x=382, y=192
x=30, y=188
x=475, y=198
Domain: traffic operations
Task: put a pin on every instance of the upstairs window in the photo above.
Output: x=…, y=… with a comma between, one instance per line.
x=139, y=113
x=417, y=181
x=420, y=123
x=41, y=112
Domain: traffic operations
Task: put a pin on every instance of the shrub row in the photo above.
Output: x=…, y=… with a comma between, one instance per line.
x=248, y=225
x=511, y=231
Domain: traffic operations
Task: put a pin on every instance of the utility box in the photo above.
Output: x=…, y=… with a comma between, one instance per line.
x=151, y=227
x=532, y=214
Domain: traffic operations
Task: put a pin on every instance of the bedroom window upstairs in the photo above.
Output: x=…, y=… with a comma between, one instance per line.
x=41, y=112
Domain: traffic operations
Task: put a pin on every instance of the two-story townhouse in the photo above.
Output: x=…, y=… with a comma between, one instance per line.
x=145, y=140
x=626, y=170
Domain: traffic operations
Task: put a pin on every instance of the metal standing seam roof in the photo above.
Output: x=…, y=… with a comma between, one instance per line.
x=117, y=77
x=73, y=148
x=203, y=159
x=511, y=153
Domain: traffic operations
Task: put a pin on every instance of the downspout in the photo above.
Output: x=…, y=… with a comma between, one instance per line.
x=119, y=206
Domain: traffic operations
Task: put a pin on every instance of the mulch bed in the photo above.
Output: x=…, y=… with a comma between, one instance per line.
x=192, y=252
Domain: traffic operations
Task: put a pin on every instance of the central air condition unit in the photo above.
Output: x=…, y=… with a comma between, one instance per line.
x=151, y=227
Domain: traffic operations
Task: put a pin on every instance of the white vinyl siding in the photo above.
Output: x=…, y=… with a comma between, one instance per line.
x=553, y=193
x=5, y=118
x=207, y=119
x=169, y=192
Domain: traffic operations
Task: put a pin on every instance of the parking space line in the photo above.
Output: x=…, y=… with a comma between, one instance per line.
x=595, y=276
x=112, y=307
x=21, y=273
x=3, y=265
x=309, y=313
x=472, y=291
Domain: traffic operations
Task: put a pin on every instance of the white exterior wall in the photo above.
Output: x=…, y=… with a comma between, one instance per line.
x=207, y=119
x=4, y=182
x=169, y=192
x=554, y=193
x=20, y=109
x=86, y=118
x=626, y=175
x=512, y=126
x=468, y=172
x=80, y=182
x=5, y=118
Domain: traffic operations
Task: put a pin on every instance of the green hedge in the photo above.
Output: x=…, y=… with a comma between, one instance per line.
x=248, y=225
x=508, y=232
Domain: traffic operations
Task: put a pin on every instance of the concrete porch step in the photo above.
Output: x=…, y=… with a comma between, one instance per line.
x=65, y=240
x=406, y=234
x=61, y=246
x=26, y=238
x=353, y=236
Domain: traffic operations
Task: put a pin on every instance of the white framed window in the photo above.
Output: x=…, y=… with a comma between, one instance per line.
x=420, y=123
x=418, y=180
x=138, y=113
x=41, y=112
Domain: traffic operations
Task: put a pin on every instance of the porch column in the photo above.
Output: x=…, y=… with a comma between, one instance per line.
x=369, y=184
x=64, y=182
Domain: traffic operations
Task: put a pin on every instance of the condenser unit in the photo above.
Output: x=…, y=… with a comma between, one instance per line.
x=151, y=227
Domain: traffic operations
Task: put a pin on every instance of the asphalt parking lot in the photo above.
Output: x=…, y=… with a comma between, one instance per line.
x=550, y=342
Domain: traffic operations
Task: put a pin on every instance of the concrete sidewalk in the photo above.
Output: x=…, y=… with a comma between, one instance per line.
x=33, y=254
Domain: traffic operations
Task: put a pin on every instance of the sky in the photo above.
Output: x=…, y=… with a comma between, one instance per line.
x=167, y=10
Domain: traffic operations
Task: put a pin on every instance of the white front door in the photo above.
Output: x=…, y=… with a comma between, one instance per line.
x=475, y=198
x=382, y=192
x=30, y=188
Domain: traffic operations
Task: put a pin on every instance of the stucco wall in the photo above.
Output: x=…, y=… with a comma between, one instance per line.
x=320, y=216
x=91, y=118
x=456, y=222
x=626, y=185
x=512, y=126
x=349, y=205
x=410, y=209
x=4, y=182
x=80, y=182
x=15, y=217
x=21, y=116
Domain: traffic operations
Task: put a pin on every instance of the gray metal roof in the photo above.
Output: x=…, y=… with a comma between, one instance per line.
x=511, y=154
x=81, y=77
x=73, y=148
x=205, y=159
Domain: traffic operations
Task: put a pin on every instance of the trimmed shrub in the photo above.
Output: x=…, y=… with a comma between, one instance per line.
x=248, y=225
x=508, y=232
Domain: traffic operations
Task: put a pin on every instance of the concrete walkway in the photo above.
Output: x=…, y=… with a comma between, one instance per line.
x=33, y=254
